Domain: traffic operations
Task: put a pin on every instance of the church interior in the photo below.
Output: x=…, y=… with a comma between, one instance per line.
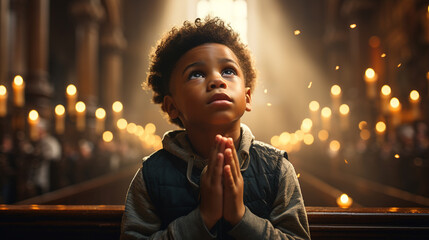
x=342, y=86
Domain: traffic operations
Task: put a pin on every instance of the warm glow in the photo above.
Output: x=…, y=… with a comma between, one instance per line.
x=60, y=110
x=150, y=128
x=122, y=123
x=100, y=113
x=397, y=156
x=3, y=90
x=335, y=90
x=284, y=138
x=299, y=135
x=323, y=135
x=18, y=81
x=80, y=107
x=380, y=127
x=275, y=141
x=394, y=103
x=306, y=125
x=362, y=125
x=297, y=32
x=107, y=136
x=344, y=201
x=386, y=90
x=365, y=134
x=314, y=106
x=352, y=26
x=370, y=75
x=131, y=128
x=326, y=112
x=308, y=139
x=334, y=145
x=337, y=67
x=139, y=130
x=33, y=115
x=383, y=55
x=117, y=106
x=414, y=95
x=344, y=109
x=71, y=90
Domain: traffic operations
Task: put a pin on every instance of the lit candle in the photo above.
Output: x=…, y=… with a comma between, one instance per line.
x=385, y=96
x=336, y=96
x=71, y=94
x=380, y=129
x=117, y=108
x=415, y=104
x=395, y=111
x=344, y=112
x=18, y=87
x=370, y=79
x=100, y=115
x=314, y=112
x=59, y=119
x=80, y=115
x=33, y=120
x=3, y=101
x=326, y=118
x=121, y=124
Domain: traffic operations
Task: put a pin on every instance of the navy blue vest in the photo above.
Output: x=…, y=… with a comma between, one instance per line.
x=173, y=196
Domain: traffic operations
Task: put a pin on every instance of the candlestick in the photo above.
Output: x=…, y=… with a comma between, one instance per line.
x=380, y=129
x=18, y=87
x=33, y=120
x=80, y=116
x=3, y=101
x=370, y=80
x=395, y=111
x=100, y=115
x=384, y=99
x=71, y=94
x=59, y=119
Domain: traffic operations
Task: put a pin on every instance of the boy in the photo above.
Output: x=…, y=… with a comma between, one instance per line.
x=212, y=179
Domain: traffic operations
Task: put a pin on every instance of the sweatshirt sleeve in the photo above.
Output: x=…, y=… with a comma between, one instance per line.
x=141, y=222
x=288, y=219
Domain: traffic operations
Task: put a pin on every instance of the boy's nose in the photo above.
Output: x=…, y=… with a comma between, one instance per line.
x=217, y=82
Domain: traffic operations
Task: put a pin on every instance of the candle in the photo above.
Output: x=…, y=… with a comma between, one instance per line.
x=344, y=201
x=59, y=119
x=344, y=112
x=370, y=80
x=33, y=120
x=100, y=115
x=385, y=96
x=326, y=118
x=415, y=104
x=71, y=94
x=80, y=116
x=117, y=111
x=314, y=112
x=380, y=129
x=3, y=101
x=395, y=111
x=336, y=96
x=18, y=87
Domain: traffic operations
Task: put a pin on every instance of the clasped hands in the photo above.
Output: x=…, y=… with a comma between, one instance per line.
x=221, y=185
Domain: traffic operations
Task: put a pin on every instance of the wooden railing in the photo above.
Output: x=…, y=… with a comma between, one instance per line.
x=103, y=222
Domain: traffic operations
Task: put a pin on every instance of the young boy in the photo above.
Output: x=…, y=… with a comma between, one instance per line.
x=212, y=179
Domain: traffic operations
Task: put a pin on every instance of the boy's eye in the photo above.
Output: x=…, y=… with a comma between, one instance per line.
x=194, y=75
x=229, y=72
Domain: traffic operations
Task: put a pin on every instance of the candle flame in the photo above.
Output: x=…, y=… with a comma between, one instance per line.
x=131, y=128
x=394, y=103
x=370, y=75
x=314, y=106
x=344, y=109
x=383, y=55
x=365, y=134
x=117, y=106
x=414, y=95
x=150, y=128
x=33, y=115
x=335, y=90
x=107, y=136
x=353, y=25
x=334, y=145
x=386, y=90
x=362, y=125
x=306, y=125
x=71, y=90
x=397, y=156
x=100, y=113
x=18, y=81
x=344, y=201
x=309, y=85
x=60, y=110
x=337, y=67
x=297, y=32
x=326, y=112
x=122, y=123
x=3, y=90
x=80, y=107
x=380, y=127
x=323, y=135
x=308, y=139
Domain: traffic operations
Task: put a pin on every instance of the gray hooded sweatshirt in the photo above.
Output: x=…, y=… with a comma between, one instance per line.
x=288, y=219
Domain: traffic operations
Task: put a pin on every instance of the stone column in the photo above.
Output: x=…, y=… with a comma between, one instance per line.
x=38, y=88
x=88, y=14
x=113, y=44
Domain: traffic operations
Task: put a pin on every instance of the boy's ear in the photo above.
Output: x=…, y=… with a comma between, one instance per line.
x=170, y=107
x=248, y=100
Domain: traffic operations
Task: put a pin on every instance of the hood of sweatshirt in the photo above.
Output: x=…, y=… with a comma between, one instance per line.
x=177, y=143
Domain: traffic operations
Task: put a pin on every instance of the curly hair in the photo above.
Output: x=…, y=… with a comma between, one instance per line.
x=180, y=40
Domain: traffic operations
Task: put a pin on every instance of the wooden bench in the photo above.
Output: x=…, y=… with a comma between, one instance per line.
x=103, y=222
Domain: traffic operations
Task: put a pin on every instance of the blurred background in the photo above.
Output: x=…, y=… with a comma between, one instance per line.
x=343, y=86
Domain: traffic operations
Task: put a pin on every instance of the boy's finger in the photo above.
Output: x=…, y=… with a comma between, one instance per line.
x=230, y=162
x=234, y=158
x=228, y=179
x=216, y=177
x=213, y=158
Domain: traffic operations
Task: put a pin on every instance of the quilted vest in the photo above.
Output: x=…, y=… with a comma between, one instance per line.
x=173, y=196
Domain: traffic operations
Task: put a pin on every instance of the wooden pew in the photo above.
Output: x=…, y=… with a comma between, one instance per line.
x=103, y=222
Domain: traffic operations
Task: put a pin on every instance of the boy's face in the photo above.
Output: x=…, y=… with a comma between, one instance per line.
x=207, y=87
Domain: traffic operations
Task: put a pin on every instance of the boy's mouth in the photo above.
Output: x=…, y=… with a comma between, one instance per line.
x=219, y=97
